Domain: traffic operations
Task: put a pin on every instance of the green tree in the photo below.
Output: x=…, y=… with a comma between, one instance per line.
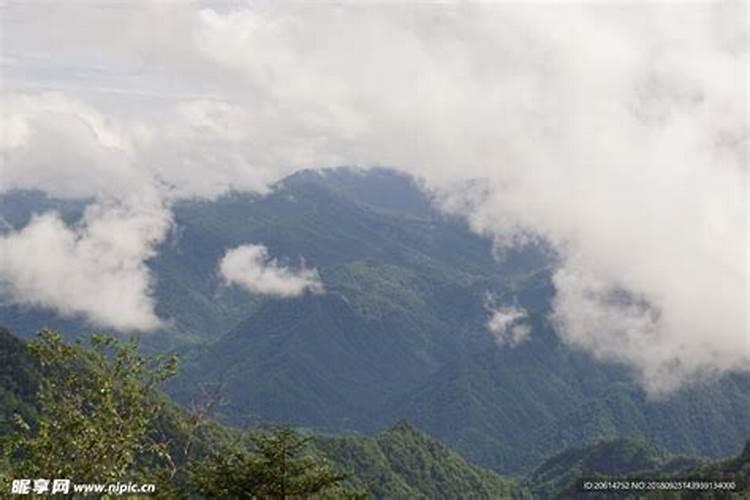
x=96, y=408
x=278, y=464
x=100, y=419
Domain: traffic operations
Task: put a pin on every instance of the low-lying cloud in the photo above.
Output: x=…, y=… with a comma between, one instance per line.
x=615, y=131
x=507, y=325
x=95, y=269
x=252, y=268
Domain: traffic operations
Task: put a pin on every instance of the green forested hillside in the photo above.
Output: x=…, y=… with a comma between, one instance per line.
x=18, y=380
x=623, y=459
x=399, y=463
x=735, y=469
x=400, y=332
x=404, y=463
x=607, y=458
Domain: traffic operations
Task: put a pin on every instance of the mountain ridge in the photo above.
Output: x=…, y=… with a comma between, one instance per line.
x=401, y=331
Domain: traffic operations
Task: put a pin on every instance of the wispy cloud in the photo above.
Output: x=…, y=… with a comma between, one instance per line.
x=508, y=325
x=252, y=268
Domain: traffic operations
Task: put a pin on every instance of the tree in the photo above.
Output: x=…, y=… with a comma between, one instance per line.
x=96, y=408
x=100, y=419
x=278, y=464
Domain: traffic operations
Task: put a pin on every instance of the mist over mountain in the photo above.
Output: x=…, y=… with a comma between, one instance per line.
x=597, y=127
x=467, y=249
x=400, y=330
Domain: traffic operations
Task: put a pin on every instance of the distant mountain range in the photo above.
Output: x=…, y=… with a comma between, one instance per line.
x=399, y=333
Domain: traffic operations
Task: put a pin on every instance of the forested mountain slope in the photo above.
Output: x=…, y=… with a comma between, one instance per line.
x=399, y=463
x=404, y=463
x=400, y=331
x=626, y=459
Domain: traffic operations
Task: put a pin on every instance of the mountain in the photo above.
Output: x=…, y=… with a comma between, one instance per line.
x=619, y=457
x=735, y=469
x=622, y=459
x=399, y=463
x=404, y=463
x=400, y=331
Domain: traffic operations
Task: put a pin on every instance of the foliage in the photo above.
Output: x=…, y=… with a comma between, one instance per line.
x=279, y=465
x=404, y=463
x=98, y=417
x=96, y=409
x=19, y=378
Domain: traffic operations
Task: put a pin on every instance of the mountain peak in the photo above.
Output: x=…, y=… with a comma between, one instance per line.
x=380, y=188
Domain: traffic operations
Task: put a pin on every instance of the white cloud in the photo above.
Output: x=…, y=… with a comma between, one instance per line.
x=251, y=267
x=66, y=148
x=507, y=325
x=617, y=131
x=94, y=269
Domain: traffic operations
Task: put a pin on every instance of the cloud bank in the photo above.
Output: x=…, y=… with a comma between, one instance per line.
x=615, y=131
x=252, y=268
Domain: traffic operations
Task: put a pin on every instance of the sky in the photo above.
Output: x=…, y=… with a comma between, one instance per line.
x=615, y=131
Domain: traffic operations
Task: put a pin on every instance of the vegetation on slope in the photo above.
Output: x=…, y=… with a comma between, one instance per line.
x=98, y=421
x=633, y=460
x=404, y=463
x=19, y=376
x=606, y=458
x=98, y=417
x=401, y=333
